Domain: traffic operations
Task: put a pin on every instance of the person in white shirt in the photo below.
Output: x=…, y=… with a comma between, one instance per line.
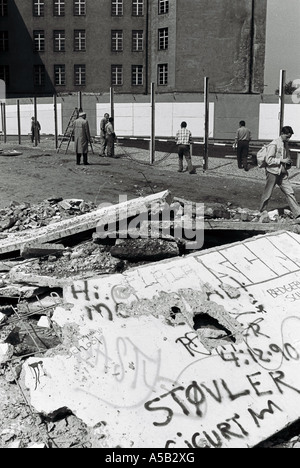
x=183, y=140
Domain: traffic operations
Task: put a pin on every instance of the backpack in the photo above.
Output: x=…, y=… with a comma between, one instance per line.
x=261, y=156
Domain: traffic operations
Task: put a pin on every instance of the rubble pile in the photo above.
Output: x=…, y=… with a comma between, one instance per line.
x=23, y=216
x=221, y=212
x=32, y=289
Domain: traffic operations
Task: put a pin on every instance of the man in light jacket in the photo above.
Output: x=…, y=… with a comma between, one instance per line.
x=103, y=124
x=278, y=161
x=82, y=138
x=110, y=137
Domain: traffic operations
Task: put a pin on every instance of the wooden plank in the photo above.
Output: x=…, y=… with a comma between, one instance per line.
x=85, y=222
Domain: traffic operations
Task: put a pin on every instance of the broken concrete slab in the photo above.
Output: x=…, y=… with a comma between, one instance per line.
x=171, y=354
x=239, y=225
x=6, y=352
x=41, y=250
x=90, y=221
x=6, y=266
x=20, y=290
x=44, y=322
x=137, y=250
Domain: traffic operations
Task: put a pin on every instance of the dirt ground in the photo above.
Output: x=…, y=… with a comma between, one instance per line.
x=39, y=173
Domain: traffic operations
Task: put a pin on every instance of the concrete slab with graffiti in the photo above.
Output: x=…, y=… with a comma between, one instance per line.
x=201, y=351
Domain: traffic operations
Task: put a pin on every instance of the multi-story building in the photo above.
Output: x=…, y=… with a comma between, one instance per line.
x=66, y=46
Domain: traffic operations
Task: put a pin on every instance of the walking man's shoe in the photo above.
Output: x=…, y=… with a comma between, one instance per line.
x=193, y=172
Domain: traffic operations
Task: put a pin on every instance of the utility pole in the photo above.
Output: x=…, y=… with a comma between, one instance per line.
x=281, y=99
x=19, y=120
x=80, y=108
x=152, y=139
x=112, y=103
x=55, y=120
x=251, y=54
x=3, y=116
x=206, y=129
x=35, y=122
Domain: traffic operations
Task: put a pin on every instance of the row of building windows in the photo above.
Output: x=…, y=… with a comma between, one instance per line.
x=117, y=74
x=59, y=40
x=80, y=6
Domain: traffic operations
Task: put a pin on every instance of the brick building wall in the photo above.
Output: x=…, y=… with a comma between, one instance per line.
x=182, y=42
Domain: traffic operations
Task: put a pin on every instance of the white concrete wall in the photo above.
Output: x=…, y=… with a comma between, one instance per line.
x=135, y=119
x=269, y=120
x=45, y=114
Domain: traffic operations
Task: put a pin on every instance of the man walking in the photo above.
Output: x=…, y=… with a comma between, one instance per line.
x=103, y=142
x=278, y=162
x=183, y=140
x=242, y=140
x=82, y=138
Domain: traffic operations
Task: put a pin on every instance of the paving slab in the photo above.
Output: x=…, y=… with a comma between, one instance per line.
x=201, y=351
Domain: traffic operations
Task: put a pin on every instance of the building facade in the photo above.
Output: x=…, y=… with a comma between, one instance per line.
x=63, y=46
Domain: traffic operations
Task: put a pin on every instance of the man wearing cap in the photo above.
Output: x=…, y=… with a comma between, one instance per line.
x=82, y=138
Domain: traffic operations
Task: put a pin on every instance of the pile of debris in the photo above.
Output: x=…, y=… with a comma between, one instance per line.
x=227, y=212
x=23, y=216
x=43, y=262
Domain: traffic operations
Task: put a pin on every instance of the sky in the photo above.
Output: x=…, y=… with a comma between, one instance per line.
x=283, y=42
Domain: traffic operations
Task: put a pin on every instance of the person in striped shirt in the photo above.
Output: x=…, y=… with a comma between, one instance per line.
x=183, y=140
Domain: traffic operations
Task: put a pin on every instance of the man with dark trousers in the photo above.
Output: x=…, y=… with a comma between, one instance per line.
x=82, y=138
x=242, y=140
x=103, y=142
x=278, y=161
x=183, y=140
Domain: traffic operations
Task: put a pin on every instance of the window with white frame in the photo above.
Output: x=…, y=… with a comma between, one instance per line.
x=79, y=40
x=79, y=7
x=117, y=41
x=80, y=75
x=117, y=75
x=3, y=7
x=59, y=7
x=59, y=38
x=39, y=41
x=137, y=41
x=38, y=7
x=117, y=7
x=163, y=39
x=60, y=75
x=162, y=79
x=3, y=41
x=137, y=7
x=137, y=75
x=39, y=75
x=4, y=74
x=163, y=7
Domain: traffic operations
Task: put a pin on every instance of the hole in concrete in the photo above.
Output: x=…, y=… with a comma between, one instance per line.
x=175, y=310
x=212, y=328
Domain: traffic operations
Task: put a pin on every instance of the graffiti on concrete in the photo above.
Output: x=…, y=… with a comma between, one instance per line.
x=36, y=368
